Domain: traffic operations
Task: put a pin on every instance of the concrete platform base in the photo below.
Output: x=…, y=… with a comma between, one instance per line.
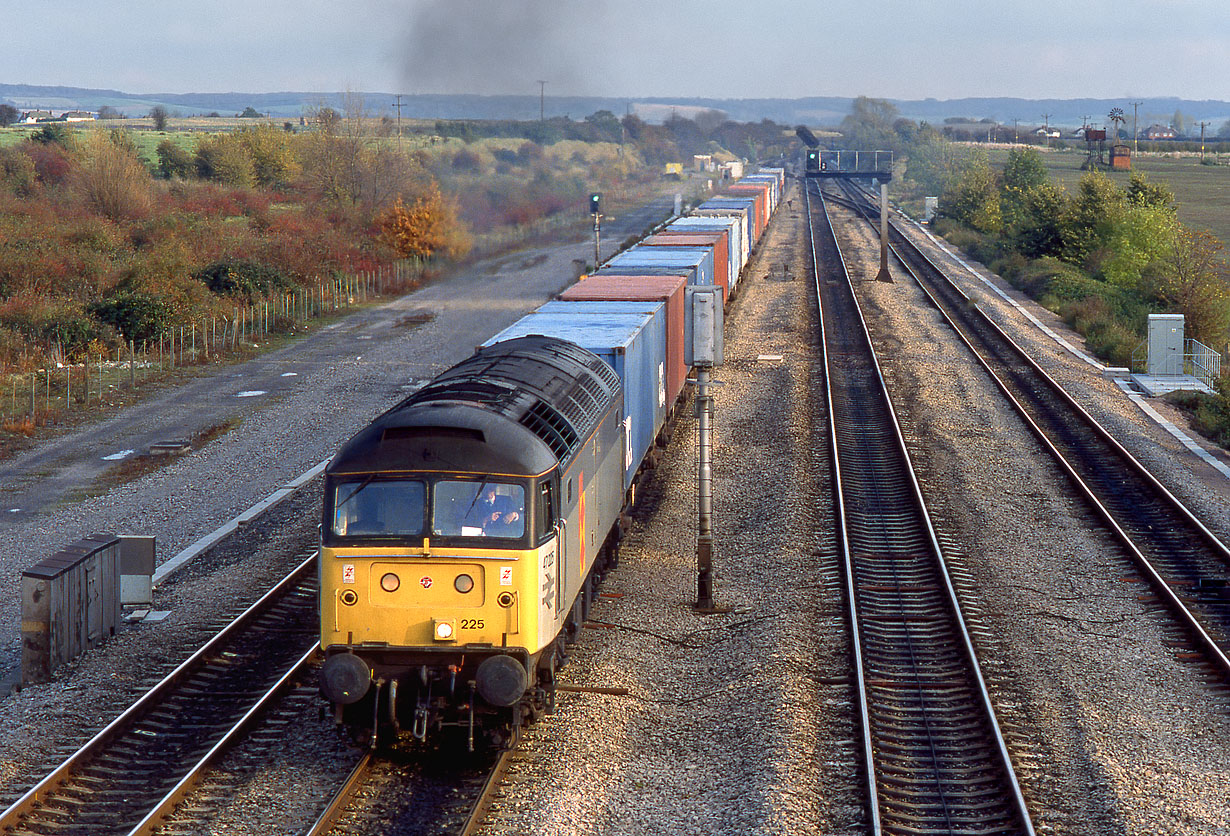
x=1159, y=384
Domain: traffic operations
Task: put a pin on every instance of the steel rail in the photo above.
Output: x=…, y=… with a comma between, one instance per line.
x=46, y=788
x=156, y=817
x=483, y=802
x=1157, y=580
x=1004, y=759
x=333, y=811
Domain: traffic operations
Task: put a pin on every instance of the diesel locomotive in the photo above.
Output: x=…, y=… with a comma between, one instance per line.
x=464, y=530
x=463, y=533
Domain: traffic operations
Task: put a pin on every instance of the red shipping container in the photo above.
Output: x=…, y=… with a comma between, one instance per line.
x=760, y=192
x=716, y=240
x=613, y=288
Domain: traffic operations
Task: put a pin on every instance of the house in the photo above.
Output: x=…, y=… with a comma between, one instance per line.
x=1158, y=132
x=1050, y=133
x=77, y=116
x=32, y=116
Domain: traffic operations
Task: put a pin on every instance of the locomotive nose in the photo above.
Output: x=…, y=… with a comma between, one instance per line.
x=345, y=678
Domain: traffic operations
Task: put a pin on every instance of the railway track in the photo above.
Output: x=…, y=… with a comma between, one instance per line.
x=1187, y=566
x=934, y=757
x=452, y=793
x=131, y=775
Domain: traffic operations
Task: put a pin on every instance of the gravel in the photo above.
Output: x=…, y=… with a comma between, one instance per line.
x=742, y=721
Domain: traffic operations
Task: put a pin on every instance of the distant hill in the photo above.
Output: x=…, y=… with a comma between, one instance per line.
x=818, y=110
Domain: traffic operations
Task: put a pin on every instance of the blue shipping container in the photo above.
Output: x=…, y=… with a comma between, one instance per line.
x=657, y=326
x=626, y=342
x=732, y=226
x=699, y=257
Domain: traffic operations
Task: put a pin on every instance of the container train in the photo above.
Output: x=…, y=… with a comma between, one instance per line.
x=466, y=529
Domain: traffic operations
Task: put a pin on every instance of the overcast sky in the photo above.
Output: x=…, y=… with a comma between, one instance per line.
x=628, y=48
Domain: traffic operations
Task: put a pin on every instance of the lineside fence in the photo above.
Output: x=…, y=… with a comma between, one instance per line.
x=32, y=398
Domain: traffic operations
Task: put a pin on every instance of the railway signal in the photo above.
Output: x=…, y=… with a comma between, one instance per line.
x=595, y=200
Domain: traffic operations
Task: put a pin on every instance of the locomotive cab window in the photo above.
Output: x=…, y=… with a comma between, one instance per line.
x=379, y=508
x=546, y=511
x=478, y=509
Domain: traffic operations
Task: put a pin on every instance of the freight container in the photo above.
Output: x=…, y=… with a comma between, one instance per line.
x=667, y=289
x=693, y=238
x=771, y=182
x=730, y=204
x=661, y=333
x=735, y=226
x=699, y=257
x=760, y=193
x=632, y=347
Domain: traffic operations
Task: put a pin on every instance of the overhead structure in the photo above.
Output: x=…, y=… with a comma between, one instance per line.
x=850, y=164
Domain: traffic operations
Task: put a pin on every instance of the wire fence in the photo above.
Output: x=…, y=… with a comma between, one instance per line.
x=43, y=396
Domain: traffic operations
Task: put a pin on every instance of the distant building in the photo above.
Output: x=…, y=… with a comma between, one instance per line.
x=1158, y=132
x=1051, y=133
x=77, y=116
x=32, y=116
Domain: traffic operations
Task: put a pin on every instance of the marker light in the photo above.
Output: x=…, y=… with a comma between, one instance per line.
x=443, y=631
x=463, y=584
x=390, y=582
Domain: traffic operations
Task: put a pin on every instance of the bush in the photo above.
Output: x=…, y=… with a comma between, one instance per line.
x=49, y=321
x=173, y=159
x=138, y=315
x=246, y=279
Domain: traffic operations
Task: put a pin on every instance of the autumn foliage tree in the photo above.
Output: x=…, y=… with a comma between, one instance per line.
x=426, y=228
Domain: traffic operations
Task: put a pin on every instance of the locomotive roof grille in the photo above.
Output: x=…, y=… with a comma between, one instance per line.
x=556, y=389
x=553, y=429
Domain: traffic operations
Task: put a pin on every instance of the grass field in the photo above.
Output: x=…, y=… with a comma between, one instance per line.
x=1202, y=192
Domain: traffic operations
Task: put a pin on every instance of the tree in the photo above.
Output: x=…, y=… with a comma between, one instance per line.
x=274, y=161
x=8, y=115
x=1141, y=192
x=1179, y=123
x=1224, y=131
x=17, y=173
x=159, y=114
x=1036, y=228
x=111, y=178
x=173, y=159
x=1023, y=172
x=934, y=163
x=1193, y=278
x=1091, y=217
x=250, y=112
x=224, y=158
x=869, y=125
x=428, y=227
x=974, y=198
x=108, y=112
x=52, y=134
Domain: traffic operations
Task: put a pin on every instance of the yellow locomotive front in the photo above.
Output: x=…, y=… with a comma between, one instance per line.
x=454, y=544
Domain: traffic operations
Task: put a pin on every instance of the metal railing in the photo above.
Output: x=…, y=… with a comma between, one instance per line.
x=1200, y=361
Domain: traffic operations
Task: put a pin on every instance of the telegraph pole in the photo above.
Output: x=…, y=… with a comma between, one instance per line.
x=1203, y=125
x=1046, y=128
x=397, y=106
x=542, y=101
x=1134, y=135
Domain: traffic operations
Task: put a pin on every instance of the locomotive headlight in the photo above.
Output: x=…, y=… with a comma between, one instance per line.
x=463, y=584
x=443, y=630
x=390, y=582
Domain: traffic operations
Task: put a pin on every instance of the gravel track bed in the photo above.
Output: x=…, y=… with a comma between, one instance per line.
x=740, y=722
x=1113, y=732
